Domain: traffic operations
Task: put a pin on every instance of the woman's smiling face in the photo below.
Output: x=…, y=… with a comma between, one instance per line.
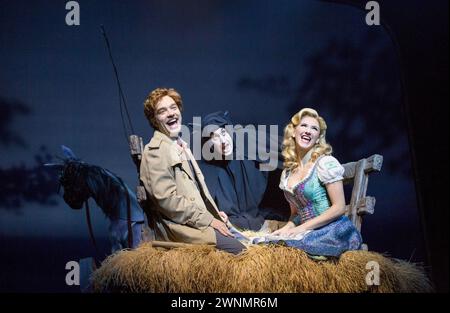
x=307, y=133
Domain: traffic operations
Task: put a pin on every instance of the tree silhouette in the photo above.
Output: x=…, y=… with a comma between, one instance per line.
x=8, y=111
x=22, y=184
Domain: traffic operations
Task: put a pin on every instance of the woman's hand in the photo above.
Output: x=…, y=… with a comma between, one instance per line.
x=295, y=231
x=221, y=227
x=283, y=230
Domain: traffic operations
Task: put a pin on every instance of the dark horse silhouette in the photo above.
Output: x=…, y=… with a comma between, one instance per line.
x=81, y=181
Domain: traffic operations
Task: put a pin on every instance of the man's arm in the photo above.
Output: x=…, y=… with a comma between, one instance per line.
x=158, y=178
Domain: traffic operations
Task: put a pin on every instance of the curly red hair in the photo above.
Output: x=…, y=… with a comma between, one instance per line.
x=152, y=100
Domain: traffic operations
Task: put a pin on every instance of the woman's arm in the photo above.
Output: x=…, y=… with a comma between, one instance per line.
x=337, y=209
x=290, y=224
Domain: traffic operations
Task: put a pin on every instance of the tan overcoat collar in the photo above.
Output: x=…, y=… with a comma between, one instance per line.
x=175, y=153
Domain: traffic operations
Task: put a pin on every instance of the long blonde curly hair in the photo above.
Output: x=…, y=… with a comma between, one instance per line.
x=291, y=158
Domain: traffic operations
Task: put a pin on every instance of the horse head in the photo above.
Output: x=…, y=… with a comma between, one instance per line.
x=72, y=177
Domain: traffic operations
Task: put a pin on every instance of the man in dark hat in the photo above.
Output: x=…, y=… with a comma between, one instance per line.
x=236, y=182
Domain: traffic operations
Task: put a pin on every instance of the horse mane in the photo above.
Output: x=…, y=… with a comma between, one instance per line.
x=105, y=187
x=111, y=178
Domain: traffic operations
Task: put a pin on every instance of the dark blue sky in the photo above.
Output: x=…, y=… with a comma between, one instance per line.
x=203, y=49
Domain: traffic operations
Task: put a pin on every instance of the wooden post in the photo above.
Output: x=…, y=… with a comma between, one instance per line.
x=358, y=174
x=136, y=148
x=358, y=192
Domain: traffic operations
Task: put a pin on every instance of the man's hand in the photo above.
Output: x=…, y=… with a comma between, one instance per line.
x=224, y=216
x=221, y=227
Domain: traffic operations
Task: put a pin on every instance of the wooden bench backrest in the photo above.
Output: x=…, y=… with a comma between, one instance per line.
x=358, y=173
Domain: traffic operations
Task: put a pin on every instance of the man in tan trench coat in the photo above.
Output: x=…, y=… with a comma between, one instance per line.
x=182, y=208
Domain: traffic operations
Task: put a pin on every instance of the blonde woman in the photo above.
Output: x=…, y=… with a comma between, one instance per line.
x=312, y=184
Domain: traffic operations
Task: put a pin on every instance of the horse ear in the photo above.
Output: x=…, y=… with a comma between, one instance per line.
x=68, y=153
x=55, y=166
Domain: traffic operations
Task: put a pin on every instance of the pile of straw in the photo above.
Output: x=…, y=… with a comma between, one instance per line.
x=202, y=268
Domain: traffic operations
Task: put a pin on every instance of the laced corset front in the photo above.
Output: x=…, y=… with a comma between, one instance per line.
x=309, y=196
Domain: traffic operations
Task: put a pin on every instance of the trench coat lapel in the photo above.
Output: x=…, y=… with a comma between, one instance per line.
x=179, y=155
x=201, y=179
x=176, y=154
x=195, y=167
x=186, y=167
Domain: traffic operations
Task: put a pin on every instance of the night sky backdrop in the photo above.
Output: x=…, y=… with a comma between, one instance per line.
x=261, y=60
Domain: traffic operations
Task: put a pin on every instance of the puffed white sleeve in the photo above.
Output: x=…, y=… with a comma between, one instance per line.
x=283, y=180
x=329, y=170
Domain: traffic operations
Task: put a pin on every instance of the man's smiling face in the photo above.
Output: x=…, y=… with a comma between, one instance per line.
x=168, y=116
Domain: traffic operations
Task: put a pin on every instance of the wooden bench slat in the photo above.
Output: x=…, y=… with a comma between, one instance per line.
x=169, y=244
x=364, y=206
x=373, y=164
